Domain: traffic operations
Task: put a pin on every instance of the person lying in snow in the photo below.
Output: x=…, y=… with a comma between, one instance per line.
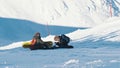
x=37, y=42
x=62, y=41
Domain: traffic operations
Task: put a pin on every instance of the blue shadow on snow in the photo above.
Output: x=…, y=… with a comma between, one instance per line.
x=13, y=30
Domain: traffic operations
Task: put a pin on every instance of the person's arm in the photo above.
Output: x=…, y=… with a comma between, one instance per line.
x=41, y=41
x=33, y=42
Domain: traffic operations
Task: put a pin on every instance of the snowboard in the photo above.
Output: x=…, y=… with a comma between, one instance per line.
x=28, y=44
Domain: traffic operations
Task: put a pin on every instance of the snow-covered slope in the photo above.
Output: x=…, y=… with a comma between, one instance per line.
x=95, y=47
x=109, y=31
x=77, y=13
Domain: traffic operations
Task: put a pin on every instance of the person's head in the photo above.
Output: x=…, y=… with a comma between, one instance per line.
x=37, y=35
x=57, y=38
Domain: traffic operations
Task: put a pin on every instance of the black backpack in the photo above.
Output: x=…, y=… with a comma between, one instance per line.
x=65, y=38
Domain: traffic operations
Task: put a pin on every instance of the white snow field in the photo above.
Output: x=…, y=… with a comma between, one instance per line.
x=92, y=25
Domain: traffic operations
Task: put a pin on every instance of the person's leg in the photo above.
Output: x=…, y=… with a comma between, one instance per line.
x=33, y=47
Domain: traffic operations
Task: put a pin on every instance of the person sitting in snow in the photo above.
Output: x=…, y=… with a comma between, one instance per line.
x=62, y=41
x=37, y=42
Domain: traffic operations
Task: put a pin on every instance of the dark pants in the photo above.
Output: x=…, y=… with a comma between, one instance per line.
x=62, y=44
x=41, y=46
x=35, y=47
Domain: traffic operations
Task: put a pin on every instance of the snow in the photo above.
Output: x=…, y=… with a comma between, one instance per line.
x=104, y=31
x=80, y=13
x=94, y=34
x=11, y=46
